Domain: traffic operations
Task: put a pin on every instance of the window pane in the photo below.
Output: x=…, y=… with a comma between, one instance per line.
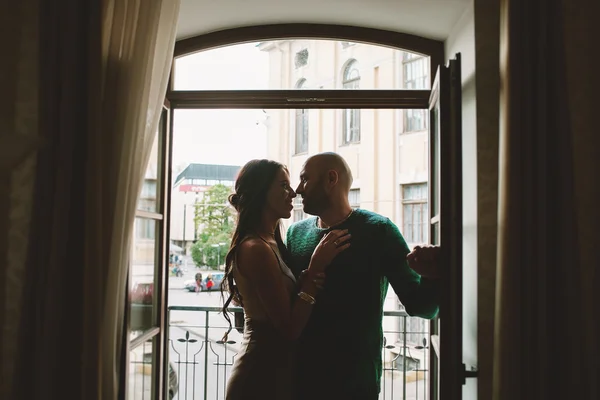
x=214, y=144
x=414, y=192
x=351, y=125
x=415, y=120
x=301, y=131
x=416, y=73
x=299, y=215
x=301, y=64
x=149, y=192
x=435, y=164
x=354, y=198
x=143, y=268
x=425, y=223
x=415, y=217
x=140, y=382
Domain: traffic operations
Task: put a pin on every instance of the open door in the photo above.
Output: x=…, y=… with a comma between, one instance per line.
x=445, y=228
x=144, y=359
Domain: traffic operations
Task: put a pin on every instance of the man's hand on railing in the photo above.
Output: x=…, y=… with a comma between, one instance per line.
x=425, y=261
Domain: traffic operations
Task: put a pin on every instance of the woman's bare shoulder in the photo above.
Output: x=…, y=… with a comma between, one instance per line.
x=256, y=253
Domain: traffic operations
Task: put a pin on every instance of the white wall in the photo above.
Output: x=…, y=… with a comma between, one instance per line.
x=462, y=40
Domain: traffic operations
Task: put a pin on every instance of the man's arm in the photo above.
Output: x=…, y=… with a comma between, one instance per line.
x=420, y=296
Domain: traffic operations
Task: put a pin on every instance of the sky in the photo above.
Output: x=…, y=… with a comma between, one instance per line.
x=230, y=137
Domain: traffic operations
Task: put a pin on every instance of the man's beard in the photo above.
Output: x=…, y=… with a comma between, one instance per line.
x=318, y=202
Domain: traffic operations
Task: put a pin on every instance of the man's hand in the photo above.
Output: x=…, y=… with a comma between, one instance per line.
x=425, y=261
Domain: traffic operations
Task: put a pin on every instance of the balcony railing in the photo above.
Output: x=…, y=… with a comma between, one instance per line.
x=201, y=361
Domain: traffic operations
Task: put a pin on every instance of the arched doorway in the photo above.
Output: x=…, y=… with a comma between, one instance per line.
x=343, y=100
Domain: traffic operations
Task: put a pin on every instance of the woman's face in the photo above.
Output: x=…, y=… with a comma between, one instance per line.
x=281, y=195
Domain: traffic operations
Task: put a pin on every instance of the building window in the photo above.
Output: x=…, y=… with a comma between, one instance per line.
x=301, y=125
x=301, y=58
x=351, y=127
x=354, y=198
x=147, y=205
x=145, y=228
x=416, y=76
x=414, y=213
x=147, y=200
x=148, y=189
x=299, y=213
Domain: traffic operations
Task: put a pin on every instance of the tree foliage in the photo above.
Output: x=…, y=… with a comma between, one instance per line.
x=213, y=221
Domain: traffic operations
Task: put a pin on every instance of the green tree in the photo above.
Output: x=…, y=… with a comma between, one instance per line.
x=213, y=220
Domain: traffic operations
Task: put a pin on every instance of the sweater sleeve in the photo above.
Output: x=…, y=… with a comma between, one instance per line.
x=288, y=236
x=420, y=296
x=289, y=243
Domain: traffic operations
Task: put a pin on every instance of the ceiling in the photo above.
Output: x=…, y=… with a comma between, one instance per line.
x=432, y=19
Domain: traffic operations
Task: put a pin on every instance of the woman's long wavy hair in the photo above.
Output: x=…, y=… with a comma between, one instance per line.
x=249, y=200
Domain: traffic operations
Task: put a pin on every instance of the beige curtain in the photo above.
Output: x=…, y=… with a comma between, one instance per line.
x=138, y=43
x=99, y=89
x=547, y=310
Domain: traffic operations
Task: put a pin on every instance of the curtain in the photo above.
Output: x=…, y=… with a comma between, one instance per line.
x=103, y=72
x=18, y=145
x=138, y=43
x=546, y=317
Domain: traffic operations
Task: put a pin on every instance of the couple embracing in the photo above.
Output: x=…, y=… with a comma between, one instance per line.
x=314, y=304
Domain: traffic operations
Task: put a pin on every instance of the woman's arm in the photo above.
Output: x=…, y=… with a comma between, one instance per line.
x=257, y=262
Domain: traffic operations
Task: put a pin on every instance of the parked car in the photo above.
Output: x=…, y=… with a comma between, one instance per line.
x=217, y=278
x=142, y=293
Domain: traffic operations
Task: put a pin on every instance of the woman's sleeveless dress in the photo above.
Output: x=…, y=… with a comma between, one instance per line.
x=264, y=366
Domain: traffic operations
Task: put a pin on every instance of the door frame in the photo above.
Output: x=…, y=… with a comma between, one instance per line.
x=310, y=99
x=156, y=332
x=445, y=194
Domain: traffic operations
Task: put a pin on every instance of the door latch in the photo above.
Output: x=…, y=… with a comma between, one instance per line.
x=471, y=372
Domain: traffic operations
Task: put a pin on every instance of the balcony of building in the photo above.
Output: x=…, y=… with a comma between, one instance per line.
x=200, y=362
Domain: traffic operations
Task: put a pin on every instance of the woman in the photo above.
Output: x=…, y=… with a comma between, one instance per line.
x=276, y=306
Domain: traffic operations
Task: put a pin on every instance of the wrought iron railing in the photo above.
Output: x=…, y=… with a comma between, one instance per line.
x=202, y=362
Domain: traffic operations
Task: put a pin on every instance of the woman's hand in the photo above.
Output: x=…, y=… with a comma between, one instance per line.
x=328, y=248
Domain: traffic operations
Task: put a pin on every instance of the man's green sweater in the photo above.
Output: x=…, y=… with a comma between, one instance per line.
x=340, y=348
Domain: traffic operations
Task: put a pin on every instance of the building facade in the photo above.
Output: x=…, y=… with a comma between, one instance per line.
x=386, y=149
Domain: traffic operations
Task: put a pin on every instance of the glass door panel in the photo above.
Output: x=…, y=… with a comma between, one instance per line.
x=147, y=274
x=140, y=378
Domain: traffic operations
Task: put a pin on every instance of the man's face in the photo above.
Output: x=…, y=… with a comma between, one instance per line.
x=313, y=189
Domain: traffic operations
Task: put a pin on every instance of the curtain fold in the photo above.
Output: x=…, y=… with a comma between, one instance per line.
x=18, y=146
x=103, y=74
x=138, y=43
x=542, y=317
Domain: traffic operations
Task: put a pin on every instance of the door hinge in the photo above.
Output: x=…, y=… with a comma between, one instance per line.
x=305, y=100
x=471, y=372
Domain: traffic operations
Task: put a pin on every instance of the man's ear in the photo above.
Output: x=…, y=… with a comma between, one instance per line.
x=332, y=177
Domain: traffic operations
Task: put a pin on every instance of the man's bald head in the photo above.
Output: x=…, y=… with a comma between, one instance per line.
x=332, y=161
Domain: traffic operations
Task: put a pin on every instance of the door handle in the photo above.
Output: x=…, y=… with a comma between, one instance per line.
x=471, y=372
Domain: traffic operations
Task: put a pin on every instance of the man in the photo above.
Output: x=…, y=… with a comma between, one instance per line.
x=339, y=355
